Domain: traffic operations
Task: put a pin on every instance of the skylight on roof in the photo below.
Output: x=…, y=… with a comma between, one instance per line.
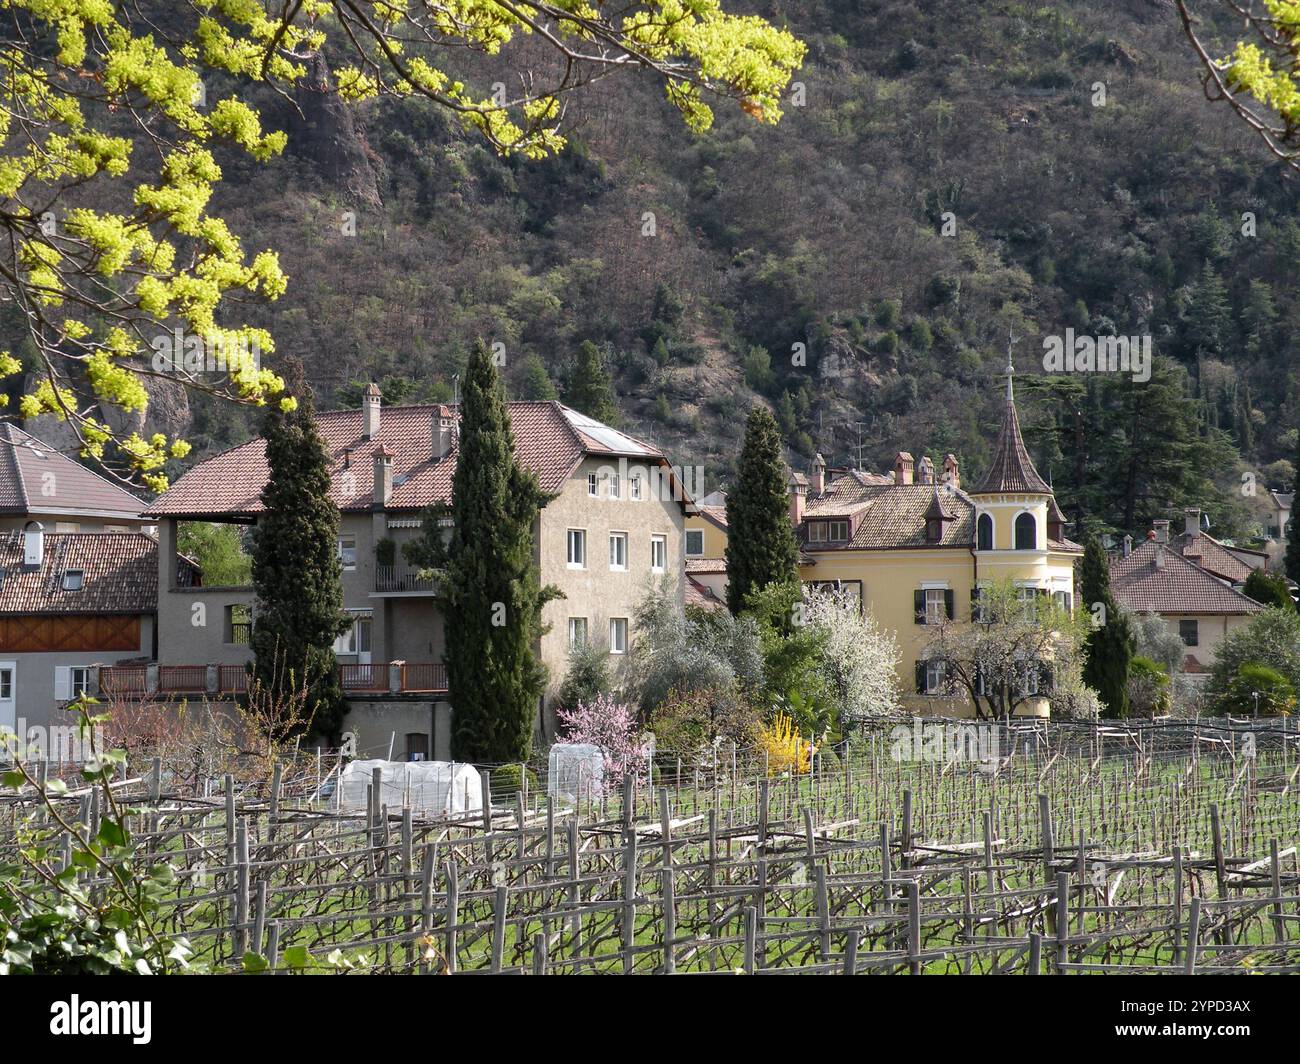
x=74, y=579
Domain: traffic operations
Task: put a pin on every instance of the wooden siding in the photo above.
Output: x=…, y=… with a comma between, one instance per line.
x=36, y=634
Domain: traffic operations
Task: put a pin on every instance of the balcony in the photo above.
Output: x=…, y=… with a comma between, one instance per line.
x=403, y=580
x=132, y=683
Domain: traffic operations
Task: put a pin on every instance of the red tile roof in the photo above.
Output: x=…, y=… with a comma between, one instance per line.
x=1212, y=556
x=35, y=478
x=699, y=595
x=550, y=439
x=706, y=565
x=120, y=574
x=1176, y=586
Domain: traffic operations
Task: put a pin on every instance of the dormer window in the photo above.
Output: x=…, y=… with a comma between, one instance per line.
x=828, y=531
x=74, y=579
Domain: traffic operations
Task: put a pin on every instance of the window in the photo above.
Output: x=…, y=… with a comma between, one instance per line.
x=613, y=486
x=1028, y=597
x=67, y=526
x=577, y=548
x=1064, y=600
x=634, y=487
x=593, y=485
x=839, y=532
x=239, y=623
x=71, y=681
x=658, y=554
x=577, y=631
x=929, y=677
x=1026, y=532
x=618, y=635
x=984, y=533
x=932, y=605
x=348, y=552
x=828, y=531
x=1189, y=631
x=694, y=542
x=417, y=746
x=74, y=580
x=356, y=640
x=618, y=550
x=6, y=683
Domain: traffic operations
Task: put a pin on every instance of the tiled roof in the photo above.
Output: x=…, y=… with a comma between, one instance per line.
x=1012, y=469
x=35, y=478
x=550, y=439
x=716, y=514
x=706, y=565
x=1176, y=586
x=699, y=595
x=120, y=574
x=1212, y=556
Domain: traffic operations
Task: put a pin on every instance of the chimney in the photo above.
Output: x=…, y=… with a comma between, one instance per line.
x=1159, y=561
x=798, y=489
x=903, y=468
x=925, y=471
x=370, y=404
x=383, y=488
x=1192, y=523
x=951, y=474
x=443, y=430
x=817, y=475
x=1161, y=528
x=33, y=544
x=1128, y=545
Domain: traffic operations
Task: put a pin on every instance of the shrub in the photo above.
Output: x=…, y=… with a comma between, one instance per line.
x=1148, y=688
x=687, y=723
x=612, y=727
x=1272, y=638
x=1276, y=695
x=587, y=675
x=508, y=779
x=786, y=749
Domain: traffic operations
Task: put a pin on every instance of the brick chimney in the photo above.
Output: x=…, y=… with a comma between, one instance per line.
x=797, y=485
x=951, y=474
x=1161, y=529
x=903, y=468
x=925, y=471
x=817, y=475
x=370, y=404
x=383, y=488
x=1192, y=523
x=443, y=433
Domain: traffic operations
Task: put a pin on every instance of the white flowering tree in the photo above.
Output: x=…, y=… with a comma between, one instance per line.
x=859, y=660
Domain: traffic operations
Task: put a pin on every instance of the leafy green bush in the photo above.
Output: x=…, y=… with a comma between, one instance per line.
x=1276, y=695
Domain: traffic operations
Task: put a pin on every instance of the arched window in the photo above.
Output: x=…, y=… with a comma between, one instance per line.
x=984, y=535
x=1026, y=532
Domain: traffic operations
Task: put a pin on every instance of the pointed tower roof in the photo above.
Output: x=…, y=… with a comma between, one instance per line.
x=1012, y=470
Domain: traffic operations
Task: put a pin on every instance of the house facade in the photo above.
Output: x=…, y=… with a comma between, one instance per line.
x=915, y=547
x=70, y=602
x=613, y=527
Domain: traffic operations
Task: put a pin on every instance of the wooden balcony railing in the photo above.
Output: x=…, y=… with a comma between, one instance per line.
x=363, y=677
x=418, y=679
x=125, y=681
x=182, y=679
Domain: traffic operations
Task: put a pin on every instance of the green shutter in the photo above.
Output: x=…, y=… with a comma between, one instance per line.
x=948, y=606
x=918, y=606
x=920, y=678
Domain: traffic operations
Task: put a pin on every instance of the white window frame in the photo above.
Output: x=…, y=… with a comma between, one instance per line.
x=934, y=677
x=617, y=539
x=658, y=554
x=936, y=605
x=614, y=488
x=832, y=527
x=618, y=629
x=10, y=667
x=70, y=682
x=79, y=584
x=634, y=487
x=345, y=551
x=576, y=559
x=579, y=631
x=818, y=531
x=593, y=486
x=694, y=553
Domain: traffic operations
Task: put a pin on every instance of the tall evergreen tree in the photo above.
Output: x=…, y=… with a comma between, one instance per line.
x=490, y=589
x=590, y=390
x=1108, y=649
x=296, y=570
x=1209, y=316
x=761, y=548
x=534, y=381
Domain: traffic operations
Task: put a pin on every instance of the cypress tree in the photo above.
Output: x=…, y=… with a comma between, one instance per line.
x=589, y=388
x=1108, y=649
x=490, y=589
x=1292, y=560
x=296, y=570
x=761, y=548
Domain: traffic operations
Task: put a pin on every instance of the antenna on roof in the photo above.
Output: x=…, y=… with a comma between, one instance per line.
x=455, y=390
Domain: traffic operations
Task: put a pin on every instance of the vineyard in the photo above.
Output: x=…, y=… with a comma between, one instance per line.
x=1164, y=847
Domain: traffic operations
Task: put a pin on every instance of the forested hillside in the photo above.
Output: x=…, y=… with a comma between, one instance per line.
x=1089, y=183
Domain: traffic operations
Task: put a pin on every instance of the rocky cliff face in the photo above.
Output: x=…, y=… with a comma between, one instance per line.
x=328, y=134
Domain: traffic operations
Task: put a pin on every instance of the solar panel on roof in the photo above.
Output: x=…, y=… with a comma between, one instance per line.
x=603, y=434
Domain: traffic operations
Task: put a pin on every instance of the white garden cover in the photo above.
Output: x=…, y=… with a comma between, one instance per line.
x=431, y=788
x=575, y=770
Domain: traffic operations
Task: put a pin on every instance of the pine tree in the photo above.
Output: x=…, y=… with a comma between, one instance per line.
x=534, y=382
x=490, y=589
x=589, y=389
x=1108, y=649
x=296, y=570
x=761, y=547
x=1209, y=317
